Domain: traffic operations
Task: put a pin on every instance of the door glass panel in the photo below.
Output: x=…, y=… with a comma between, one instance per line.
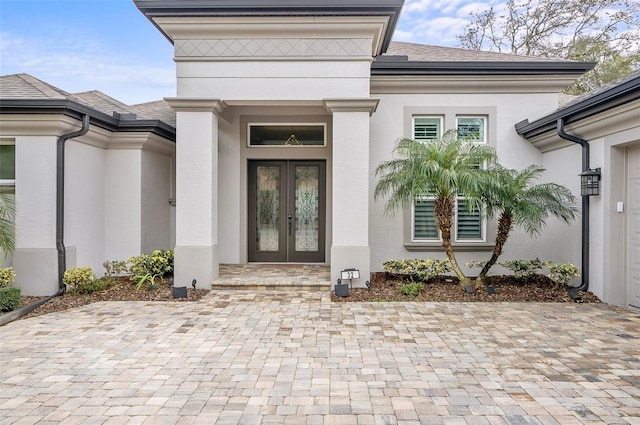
x=268, y=208
x=306, y=198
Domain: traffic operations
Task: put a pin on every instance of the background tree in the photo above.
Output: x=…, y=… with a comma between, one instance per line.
x=518, y=203
x=607, y=31
x=441, y=169
x=7, y=215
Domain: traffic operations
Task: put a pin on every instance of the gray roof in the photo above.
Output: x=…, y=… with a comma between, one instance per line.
x=158, y=109
x=427, y=53
x=27, y=87
x=602, y=99
x=24, y=86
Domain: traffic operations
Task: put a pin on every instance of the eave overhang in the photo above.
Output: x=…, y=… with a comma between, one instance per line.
x=77, y=110
x=269, y=8
x=399, y=65
x=601, y=102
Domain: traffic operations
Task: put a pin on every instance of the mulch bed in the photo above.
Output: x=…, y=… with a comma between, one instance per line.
x=121, y=290
x=386, y=287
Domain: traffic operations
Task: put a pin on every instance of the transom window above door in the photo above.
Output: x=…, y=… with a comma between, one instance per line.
x=261, y=135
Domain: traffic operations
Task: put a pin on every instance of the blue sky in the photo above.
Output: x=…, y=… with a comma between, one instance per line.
x=108, y=45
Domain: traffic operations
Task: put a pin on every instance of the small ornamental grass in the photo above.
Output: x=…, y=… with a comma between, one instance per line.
x=147, y=268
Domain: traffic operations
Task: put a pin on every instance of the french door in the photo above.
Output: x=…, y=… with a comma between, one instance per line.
x=287, y=211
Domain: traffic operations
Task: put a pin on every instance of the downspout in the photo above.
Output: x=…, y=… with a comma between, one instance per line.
x=584, y=286
x=62, y=253
x=60, y=151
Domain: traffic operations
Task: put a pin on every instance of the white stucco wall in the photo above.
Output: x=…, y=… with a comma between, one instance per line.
x=155, y=207
x=85, y=204
x=273, y=80
x=123, y=204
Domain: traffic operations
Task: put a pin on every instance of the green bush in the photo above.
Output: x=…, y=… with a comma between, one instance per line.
x=95, y=286
x=115, y=268
x=562, y=273
x=78, y=276
x=412, y=289
x=7, y=276
x=417, y=269
x=9, y=298
x=160, y=262
x=523, y=269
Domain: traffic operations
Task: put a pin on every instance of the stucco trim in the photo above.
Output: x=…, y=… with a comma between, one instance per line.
x=351, y=105
x=186, y=104
x=467, y=83
x=77, y=110
x=388, y=10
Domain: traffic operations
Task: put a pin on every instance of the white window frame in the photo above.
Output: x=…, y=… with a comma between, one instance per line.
x=440, y=119
x=284, y=124
x=484, y=126
x=8, y=182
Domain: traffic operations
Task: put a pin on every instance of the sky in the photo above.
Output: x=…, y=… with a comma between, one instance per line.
x=108, y=45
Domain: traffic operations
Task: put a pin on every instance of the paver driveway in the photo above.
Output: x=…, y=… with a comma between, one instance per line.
x=258, y=358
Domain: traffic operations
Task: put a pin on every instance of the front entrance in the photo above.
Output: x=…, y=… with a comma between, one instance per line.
x=287, y=211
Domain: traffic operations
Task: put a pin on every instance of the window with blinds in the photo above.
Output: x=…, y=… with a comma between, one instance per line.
x=472, y=128
x=427, y=128
x=424, y=220
x=468, y=221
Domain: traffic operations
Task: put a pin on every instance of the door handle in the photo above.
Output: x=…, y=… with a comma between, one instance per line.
x=290, y=217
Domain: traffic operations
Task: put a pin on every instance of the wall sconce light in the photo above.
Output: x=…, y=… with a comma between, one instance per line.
x=590, y=182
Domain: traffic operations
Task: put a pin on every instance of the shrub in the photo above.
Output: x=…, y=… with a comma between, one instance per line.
x=562, y=273
x=412, y=289
x=417, y=269
x=475, y=263
x=160, y=262
x=115, y=268
x=95, y=286
x=523, y=269
x=7, y=276
x=9, y=298
x=78, y=276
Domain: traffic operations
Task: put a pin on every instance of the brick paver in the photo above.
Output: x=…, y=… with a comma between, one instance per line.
x=246, y=357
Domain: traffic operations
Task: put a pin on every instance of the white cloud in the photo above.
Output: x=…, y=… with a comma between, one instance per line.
x=76, y=66
x=475, y=7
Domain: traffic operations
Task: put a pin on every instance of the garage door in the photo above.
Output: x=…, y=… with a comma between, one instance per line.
x=633, y=226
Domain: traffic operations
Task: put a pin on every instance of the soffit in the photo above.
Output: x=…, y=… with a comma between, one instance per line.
x=160, y=12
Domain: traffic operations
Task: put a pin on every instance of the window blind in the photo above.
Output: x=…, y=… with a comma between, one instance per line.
x=469, y=224
x=424, y=220
x=426, y=128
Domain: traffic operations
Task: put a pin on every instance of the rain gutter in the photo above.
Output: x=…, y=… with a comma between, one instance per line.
x=584, y=286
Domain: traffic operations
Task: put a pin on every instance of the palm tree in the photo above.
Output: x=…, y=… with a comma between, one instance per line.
x=7, y=215
x=441, y=169
x=510, y=194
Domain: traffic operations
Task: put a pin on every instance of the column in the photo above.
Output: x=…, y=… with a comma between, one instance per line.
x=196, y=250
x=35, y=259
x=350, y=211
